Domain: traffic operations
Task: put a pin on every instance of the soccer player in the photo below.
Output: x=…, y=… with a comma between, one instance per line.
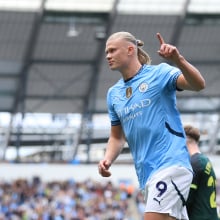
x=201, y=203
x=142, y=110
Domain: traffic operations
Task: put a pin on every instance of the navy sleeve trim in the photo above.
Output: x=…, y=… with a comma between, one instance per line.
x=178, y=89
x=115, y=123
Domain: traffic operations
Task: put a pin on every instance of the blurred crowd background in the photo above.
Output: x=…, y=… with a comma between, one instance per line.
x=34, y=199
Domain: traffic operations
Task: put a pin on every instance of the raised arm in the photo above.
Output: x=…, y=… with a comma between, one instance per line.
x=191, y=78
x=114, y=146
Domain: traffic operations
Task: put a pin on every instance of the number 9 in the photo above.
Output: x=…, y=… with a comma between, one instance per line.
x=161, y=187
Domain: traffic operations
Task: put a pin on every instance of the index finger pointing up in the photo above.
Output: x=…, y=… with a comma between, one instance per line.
x=160, y=38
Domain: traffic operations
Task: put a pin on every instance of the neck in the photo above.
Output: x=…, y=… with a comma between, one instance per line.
x=131, y=71
x=193, y=148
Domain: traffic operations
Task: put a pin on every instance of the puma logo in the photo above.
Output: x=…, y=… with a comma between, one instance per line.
x=159, y=201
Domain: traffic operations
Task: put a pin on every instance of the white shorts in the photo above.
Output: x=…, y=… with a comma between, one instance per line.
x=167, y=191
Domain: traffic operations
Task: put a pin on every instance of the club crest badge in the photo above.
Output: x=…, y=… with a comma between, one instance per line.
x=128, y=92
x=143, y=87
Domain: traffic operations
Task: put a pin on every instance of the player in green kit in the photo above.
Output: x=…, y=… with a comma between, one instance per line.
x=201, y=203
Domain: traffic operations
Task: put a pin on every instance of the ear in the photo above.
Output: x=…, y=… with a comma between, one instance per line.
x=130, y=50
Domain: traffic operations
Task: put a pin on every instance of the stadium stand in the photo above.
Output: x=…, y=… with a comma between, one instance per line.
x=54, y=79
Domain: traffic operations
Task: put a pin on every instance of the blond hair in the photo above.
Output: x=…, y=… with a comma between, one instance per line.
x=143, y=56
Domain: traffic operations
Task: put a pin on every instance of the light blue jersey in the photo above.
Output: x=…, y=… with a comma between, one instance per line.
x=145, y=106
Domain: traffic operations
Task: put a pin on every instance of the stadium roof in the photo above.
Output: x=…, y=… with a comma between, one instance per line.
x=52, y=51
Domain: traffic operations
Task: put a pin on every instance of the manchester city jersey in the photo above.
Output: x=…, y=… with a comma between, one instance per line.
x=145, y=106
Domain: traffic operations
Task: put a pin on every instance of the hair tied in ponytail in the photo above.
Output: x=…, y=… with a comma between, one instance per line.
x=139, y=43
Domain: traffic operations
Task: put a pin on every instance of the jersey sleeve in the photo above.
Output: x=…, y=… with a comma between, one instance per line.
x=111, y=111
x=169, y=75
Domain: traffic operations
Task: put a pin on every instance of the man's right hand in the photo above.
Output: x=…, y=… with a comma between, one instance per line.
x=103, y=168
